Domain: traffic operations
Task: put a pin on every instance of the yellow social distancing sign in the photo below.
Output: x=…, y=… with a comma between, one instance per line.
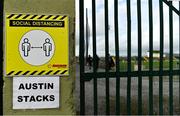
x=36, y=45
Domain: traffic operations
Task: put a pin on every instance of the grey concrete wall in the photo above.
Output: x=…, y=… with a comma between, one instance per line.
x=67, y=83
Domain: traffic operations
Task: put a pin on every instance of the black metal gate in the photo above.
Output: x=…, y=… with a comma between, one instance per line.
x=117, y=73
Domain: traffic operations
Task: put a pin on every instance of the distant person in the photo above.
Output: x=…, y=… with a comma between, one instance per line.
x=110, y=62
x=89, y=61
x=96, y=58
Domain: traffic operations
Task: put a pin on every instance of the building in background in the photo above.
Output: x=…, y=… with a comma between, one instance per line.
x=156, y=54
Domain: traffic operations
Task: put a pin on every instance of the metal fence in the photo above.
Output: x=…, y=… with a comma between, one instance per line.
x=129, y=74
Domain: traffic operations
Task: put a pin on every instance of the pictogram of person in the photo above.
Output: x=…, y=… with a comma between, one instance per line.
x=47, y=47
x=26, y=47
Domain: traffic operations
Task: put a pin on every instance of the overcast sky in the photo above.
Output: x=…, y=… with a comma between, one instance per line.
x=123, y=27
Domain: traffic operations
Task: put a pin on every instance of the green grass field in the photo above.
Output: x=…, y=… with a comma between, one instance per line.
x=123, y=65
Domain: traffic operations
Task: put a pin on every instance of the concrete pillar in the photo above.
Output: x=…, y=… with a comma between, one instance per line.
x=67, y=84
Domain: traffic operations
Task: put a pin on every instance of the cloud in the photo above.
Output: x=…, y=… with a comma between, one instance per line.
x=122, y=15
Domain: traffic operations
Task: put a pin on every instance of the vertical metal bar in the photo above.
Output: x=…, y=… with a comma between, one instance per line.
x=139, y=57
x=94, y=55
x=129, y=57
x=170, y=59
x=87, y=35
x=117, y=57
x=150, y=58
x=161, y=58
x=1, y=57
x=107, y=55
x=81, y=54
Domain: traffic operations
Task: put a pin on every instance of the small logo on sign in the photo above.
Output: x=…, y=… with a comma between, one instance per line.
x=57, y=66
